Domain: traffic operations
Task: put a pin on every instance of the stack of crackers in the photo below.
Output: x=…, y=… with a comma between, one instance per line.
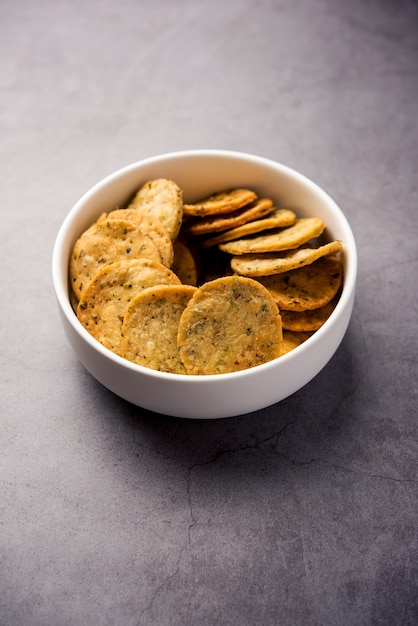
x=220, y=285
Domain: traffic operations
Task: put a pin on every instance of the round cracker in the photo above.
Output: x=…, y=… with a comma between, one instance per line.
x=289, y=238
x=308, y=287
x=150, y=327
x=184, y=264
x=149, y=224
x=292, y=340
x=230, y=324
x=105, y=300
x=256, y=265
x=221, y=202
x=163, y=199
x=204, y=226
x=105, y=243
x=307, y=321
x=279, y=218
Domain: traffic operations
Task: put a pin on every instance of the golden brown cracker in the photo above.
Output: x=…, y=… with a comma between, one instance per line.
x=104, y=301
x=149, y=224
x=184, y=264
x=105, y=243
x=230, y=324
x=279, y=218
x=256, y=265
x=150, y=327
x=163, y=199
x=221, y=202
x=307, y=321
x=213, y=224
x=73, y=301
x=309, y=287
x=302, y=231
x=292, y=340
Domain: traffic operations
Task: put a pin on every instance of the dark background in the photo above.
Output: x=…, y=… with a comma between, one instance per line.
x=301, y=514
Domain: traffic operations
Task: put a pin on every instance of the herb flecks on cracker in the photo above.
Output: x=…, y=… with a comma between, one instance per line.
x=150, y=326
x=221, y=202
x=309, y=287
x=147, y=223
x=279, y=218
x=256, y=265
x=163, y=199
x=105, y=243
x=230, y=324
x=105, y=300
x=217, y=223
x=302, y=231
x=224, y=284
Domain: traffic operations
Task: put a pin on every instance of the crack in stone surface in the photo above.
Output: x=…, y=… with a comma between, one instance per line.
x=160, y=587
x=366, y=474
x=193, y=521
x=256, y=445
x=350, y=470
x=252, y=446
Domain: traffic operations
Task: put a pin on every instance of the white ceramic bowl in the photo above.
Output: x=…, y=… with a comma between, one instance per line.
x=199, y=173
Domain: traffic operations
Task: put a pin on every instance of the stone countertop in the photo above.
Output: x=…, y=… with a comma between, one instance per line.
x=304, y=513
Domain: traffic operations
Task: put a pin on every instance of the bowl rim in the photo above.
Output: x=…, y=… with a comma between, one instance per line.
x=61, y=289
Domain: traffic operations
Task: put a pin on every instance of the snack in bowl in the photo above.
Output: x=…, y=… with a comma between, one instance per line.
x=267, y=264
x=302, y=231
x=104, y=302
x=162, y=198
x=220, y=202
x=220, y=222
x=201, y=175
x=150, y=327
x=308, y=287
x=278, y=218
x=147, y=223
x=105, y=243
x=231, y=322
x=184, y=263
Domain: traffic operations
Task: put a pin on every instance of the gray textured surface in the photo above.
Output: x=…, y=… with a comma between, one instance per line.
x=304, y=513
